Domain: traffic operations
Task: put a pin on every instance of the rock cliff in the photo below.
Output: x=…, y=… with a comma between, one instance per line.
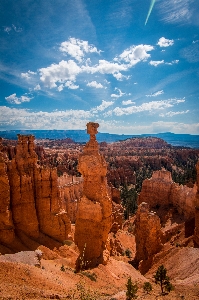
x=196, y=234
x=147, y=236
x=94, y=214
x=30, y=203
x=70, y=189
x=160, y=190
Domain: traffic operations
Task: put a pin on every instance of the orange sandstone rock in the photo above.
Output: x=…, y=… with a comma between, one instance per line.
x=196, y=234
x=30, y=202
x=147, y=236
x=94, y=214
x=6, y=224
x=160, y=190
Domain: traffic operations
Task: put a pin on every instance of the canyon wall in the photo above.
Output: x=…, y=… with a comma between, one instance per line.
x=147, y=236
x=196, y=234
x=30, y=202
x=70, y=189
x=94, y=214
x=160, y=190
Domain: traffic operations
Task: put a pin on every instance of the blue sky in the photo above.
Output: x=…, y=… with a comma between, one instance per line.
x=67, y=62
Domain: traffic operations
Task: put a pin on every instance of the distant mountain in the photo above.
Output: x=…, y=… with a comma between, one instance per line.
x=81, y=136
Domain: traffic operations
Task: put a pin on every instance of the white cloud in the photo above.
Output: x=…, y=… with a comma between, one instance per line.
x=103, y=106
x=127, y=102
x=163, y=42
x=71, y=85
x=37, y=87
x=105, y=67
x=59, y=73
x=151, y=107
x=117, y=95
x=156, y=94
x=17, y=100
x=7, y=29
x=28, y=74
x=16, y=29
x=95, y=84
x=60, y=87
x=25, y=119
x=155, y=63
x=179, y=11
x=135, y=54
x=119, y=76
x=176, y=61
x=173, y=113
x=77, y=48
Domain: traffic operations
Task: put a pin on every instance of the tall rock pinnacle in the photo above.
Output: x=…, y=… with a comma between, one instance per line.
x=94, y=215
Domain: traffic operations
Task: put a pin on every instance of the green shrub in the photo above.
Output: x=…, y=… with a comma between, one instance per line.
x=147, y=287
x=131, y=289
x=62, y=268
x=128, y=252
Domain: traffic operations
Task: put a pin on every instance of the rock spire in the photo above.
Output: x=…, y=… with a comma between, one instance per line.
x=94, y=214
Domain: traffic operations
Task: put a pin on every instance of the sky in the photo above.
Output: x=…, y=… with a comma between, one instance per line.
x=132, y=69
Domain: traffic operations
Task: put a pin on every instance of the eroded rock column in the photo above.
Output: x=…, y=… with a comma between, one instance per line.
x=196, y=234
x=147, y=236
x=94, y=220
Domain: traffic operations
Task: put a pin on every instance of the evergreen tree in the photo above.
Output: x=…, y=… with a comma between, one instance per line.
x=131, y=290
x=162, y=279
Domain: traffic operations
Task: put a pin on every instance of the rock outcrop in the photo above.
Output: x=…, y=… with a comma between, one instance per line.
x=94, y=214
x=117, y=210
x=6, y=223
x=70, y=189
x=196, y=234
x=30, y=203
x=147, y=236
x=160, y=190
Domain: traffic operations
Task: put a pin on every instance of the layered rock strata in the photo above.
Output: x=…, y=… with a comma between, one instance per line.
x=117, y=210
x=94, y=214
x=196, y=233
x=70, y=189
x=160, y=190
x=147, y=236
x=30, y=201
x=6, y=223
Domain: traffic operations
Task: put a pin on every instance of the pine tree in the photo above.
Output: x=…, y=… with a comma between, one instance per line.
x=162, y=279
x=131, y=290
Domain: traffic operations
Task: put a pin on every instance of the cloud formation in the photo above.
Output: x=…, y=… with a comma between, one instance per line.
x=173, y=113
x=155, y=63
x=174, y=12
x=151, y=107
x=163, y=42
x=135, y=54
x=17, y=100
x=156, y=94
x=77, y=48
x=95, y=84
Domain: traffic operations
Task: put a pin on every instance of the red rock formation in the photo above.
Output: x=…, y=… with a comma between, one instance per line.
x=156, y=190
x=70, y=189
x=117, y=210
x=160, y=190
x=6, y=224
x=196, y=234
x=147, y=236
x=32, y=194
x=94, y=217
